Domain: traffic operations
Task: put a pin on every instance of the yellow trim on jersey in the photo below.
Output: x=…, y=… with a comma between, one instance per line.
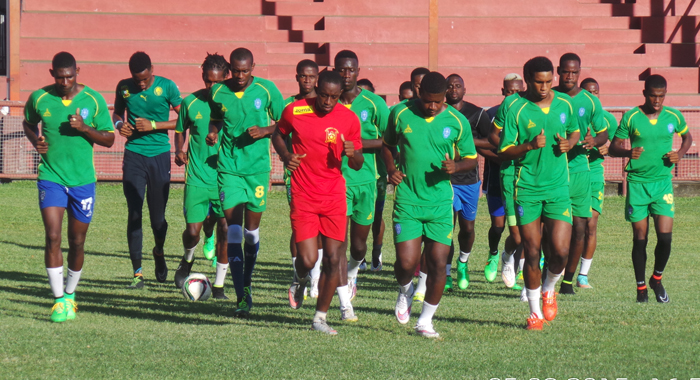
x=571, y=109
x=216, y=92
x=375, y=113
x=239, y=94
x=97, y=105
x=112, y=131
x=66, y=102
x=506, y=147
x=472, y=156
x=269, y=98
x=545, y=110
x=461, y=127
x=190, y=105
x=399, y=114
x=36, y=104
x=653, y=121
x=681, y=133
x=496, y=125
x=591, y=100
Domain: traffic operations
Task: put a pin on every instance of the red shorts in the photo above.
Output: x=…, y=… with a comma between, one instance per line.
x=311, y=217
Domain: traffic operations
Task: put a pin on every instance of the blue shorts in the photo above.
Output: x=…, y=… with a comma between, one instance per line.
x=495, y=205
x=78, y=200
x=466, y=199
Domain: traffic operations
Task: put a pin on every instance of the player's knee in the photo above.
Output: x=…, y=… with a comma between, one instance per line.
x=235, y=234
x=76, y=241
x=191, y=232
x=53, y=237
x=639, y=246
x=664, y=240
x=497, y=230
x=251, y=237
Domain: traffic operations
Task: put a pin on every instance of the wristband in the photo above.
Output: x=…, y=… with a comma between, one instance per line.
x=153, y=124
x=118, y=124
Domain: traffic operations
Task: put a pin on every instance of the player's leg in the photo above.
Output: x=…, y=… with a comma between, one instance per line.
x=637, y=205
x=134, y=186
x=590, y=244
x=251, y=246
x=158, y=190
x=559, y=239
x=234, y=250
x=222, y=262
x=50, y=197
x=360, y=226
x=580, y=195
x=316, y=270
x=378, y=226
x=195, y=208
x=408, y=238
x=531, y=234
x=209, y=246
x=662, y=210
x=422, y=272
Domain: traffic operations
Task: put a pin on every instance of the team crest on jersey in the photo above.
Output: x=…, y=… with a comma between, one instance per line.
x=258, y=103
x=670, y=128
x=363, y=115
x=158, y=91
x=446, y=132
x=125, y=92
x=397, y=228
x=302, y=110
x=331, y=135
x=562, y=117
x=581, y=112
x=199, y=116
x=521, y=212
x=84, y=113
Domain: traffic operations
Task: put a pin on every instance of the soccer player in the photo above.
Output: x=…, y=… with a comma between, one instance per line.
x=512, y=87
x=245, y=109
x=366, y=85
x=416, y=78
x=361, y=185
x=466, y=187
x=650, y=129
x=405, y=91
x=323, y=131
x=426, y=131
x=202, y=206
x=535, y=137
x=306, y=77
x=147, y=100
x=588, y=112
x=73, y=118
x=595, y=161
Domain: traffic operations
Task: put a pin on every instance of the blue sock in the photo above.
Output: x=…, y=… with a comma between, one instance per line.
x=251, y=255
x=235, y=260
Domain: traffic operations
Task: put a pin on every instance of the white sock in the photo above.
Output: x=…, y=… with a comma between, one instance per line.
x=422, y=283
x=251, y=237
x=319, y=316
x=426, y=315
x=189, y=254
x=508, y=257
x=550, y=282
x=533, y=298
x=316, y=270
x=464, y=256
x=294, y=267
x=56, y=281
x=221, y=270
x=72, y=281
x=448, y=269
x=521, y=264
x=343, y=296
x=405, y=289
x=353, y=266
x=585, y=266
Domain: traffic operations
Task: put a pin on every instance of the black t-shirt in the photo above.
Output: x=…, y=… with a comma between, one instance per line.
x=492, y=170
x=481, y=127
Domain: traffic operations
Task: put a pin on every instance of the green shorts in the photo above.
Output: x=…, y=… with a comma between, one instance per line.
x=580, y=194
x=433, y=222
x=655, y=198
x=554, y=205
x=508, y=189
x=251, y=189
x=381, y=188
x=360, y=201
x=197, y=202
x=597, y=196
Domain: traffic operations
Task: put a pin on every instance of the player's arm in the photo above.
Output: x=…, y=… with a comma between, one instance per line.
x=145, y=125
x=482, y=131
x=214, y=128
x=120, y=124
x=355, y=157
x=32, y=133
x=180, y=138
x=261, y=132
x=617, y=149
x=686, y=143
x=495, y=135
x=99, y=137
x=372, y=144
x=395, y=175
x=291, y=160
x=489, y=154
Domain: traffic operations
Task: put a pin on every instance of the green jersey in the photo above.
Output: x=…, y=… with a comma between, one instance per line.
x=545, y=169
x=656, y=137
x=259, y=104
x=69, y=160
x=201, y=158
x=423, y=143
x=499, y=121
x=595, y=159
x=589, y=114
x=152, y=104
x=373, y=114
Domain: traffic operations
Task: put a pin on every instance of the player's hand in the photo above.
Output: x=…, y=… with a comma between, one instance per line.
x=348, y=147
x=292, y=161
x=180, y=158
x=603, y=150
x=212, y=138
x=396, y=177
x=539, y=141
x=448, y=166
x=673, y=157
x=636, y=152
x=126, y=129
x=77, y=122
x=588, y=141
x=255, y=132
x=563, y=144
x=143, y=125
x=41, y=146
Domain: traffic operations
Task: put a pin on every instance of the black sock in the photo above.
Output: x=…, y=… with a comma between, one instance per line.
x=376, y=251
x=495, y=237
x=136, y=266
x=662, y=252
x=568, y=277
x=639, y=260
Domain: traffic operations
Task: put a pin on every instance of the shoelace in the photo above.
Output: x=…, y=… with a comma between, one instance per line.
x=60, y=306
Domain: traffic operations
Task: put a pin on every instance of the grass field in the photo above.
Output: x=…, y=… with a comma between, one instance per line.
x=155, y=333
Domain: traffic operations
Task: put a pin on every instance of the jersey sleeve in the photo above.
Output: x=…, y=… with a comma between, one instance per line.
x=174, y=96
x=483, y=127
x=623, y=131
x=465, y=143
x=381, y=116
x=276, y=105
x=285, y=122
x=355, y=132
x=509, y=131
x=390, y=136
x=500, y=118
x=182, y=120
x=611, y=124
x=102, y=121
x=571, y=125
x=216, y=113
x=598, y=123
x=31, y=116
x=682, y=127
x=119, y=103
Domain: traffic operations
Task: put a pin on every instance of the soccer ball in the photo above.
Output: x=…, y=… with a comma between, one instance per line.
x=196, y=287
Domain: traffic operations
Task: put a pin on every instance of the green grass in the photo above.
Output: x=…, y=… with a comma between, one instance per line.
x=155, y=333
